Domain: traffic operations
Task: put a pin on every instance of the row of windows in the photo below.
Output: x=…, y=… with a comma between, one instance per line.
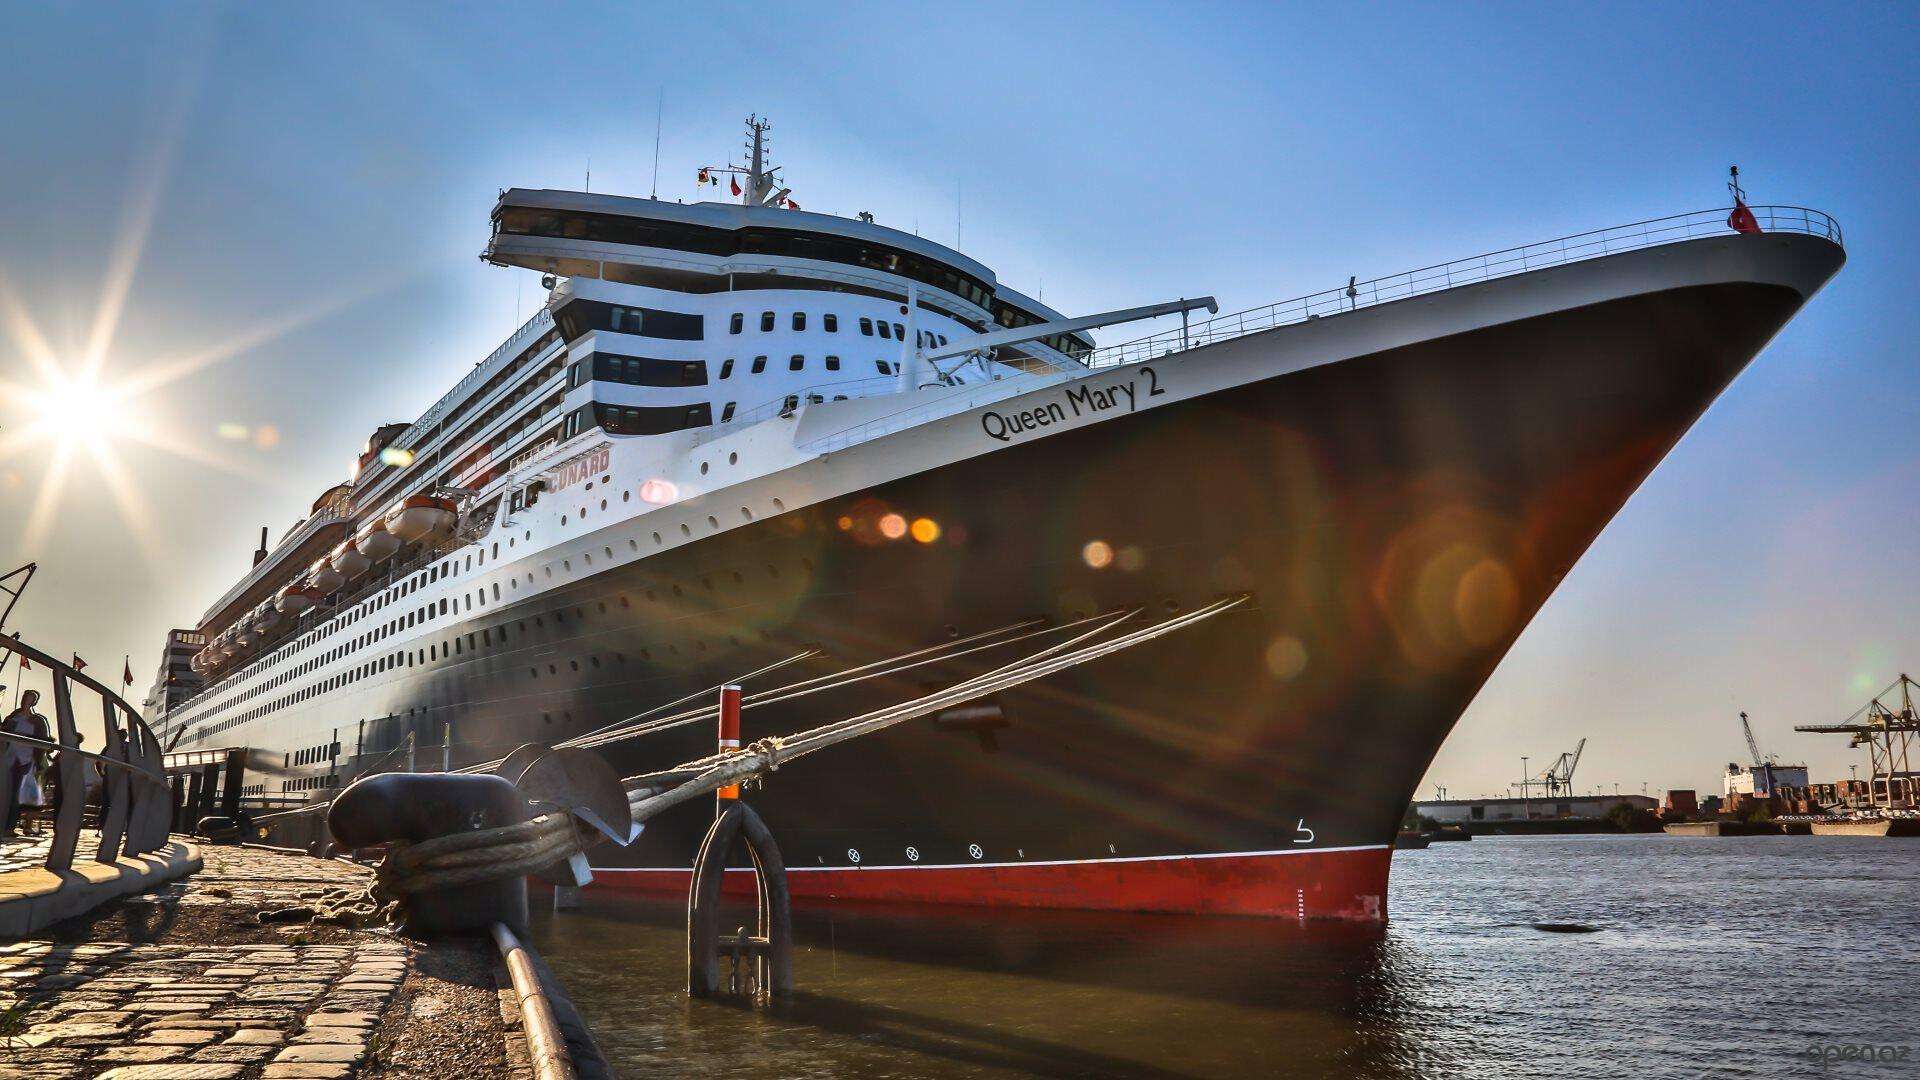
x=680, y=236
x=637, y=371
x=638, y=419
x=576, y=317
x=313, y=754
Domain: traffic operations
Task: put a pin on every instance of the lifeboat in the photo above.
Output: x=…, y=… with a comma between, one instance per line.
x=244, y=635
x=198, y=662
x=348, y=561
x=296, y=598
x=375, y=541
x=422, y=517
x=267, y=618
x=323, y=578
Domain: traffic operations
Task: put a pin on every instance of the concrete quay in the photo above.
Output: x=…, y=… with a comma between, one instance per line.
x=186, y=983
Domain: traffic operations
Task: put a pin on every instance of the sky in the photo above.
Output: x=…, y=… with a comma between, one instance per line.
x=268, y=216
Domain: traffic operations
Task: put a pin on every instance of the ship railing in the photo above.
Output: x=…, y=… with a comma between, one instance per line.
x=135, y=814
x=1578, y=247
x=1495, y=264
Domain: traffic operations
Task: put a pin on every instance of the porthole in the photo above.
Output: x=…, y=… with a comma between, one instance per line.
x=713, y=522
x=632, y=544
x=626, y=496
x=603, y=504
x=733, y=459
x=656, y=538
x=685, y=529
x=563, y=519
x=746, y=514
x=780, y=506
x=609, y=552
x=703, y=468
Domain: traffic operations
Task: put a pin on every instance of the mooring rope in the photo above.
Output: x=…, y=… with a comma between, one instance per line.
x=513, y=850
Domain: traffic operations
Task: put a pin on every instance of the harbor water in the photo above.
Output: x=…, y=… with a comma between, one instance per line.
x=1668, y=957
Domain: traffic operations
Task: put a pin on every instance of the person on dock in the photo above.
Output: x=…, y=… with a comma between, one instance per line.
x=21, y=762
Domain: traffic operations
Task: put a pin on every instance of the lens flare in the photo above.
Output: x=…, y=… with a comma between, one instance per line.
x=893, y=526
x=1097, y=554
x=926, y=530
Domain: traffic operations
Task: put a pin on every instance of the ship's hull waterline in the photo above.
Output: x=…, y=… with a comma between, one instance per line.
x=1396, y=518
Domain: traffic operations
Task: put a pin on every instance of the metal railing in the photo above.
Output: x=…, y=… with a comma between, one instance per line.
x=1359, y=294
x=137, y=802
x=1496, y=264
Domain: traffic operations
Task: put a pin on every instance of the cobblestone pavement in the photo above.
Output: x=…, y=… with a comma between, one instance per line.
x=185, y=983
x=28, y=851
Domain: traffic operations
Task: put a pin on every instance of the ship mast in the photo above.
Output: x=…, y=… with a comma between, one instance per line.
x=762, y=187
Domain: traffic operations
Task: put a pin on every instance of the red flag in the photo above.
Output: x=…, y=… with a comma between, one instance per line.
x=24, y=666
x=126, y=672
x=734, y=182
x=703, y=176
x=79, y=665
x=1742, y=220
x=791, y=205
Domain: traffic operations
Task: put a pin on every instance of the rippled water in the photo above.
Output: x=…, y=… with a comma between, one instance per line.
x=1712, y=957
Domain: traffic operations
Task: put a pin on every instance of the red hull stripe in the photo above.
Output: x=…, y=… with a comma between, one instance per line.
x=1339, y=883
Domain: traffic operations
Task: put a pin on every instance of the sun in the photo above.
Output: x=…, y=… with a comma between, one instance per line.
x=78, y=410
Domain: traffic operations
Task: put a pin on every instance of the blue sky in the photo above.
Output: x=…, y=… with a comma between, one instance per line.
x=319, y=184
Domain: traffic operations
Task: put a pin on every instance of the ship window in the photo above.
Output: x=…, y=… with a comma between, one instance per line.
x=885, y=332
x=726, y=414
x=766, y=321
x=733, y=325
x=866, y=326
x=833, y=363
x=898, y=331
x=799, y=320
x=726, y=368
x=882, y=368
x=648, y=371
x=759, y=364
x=791, y=403
x=797, y=363
x=830, y=323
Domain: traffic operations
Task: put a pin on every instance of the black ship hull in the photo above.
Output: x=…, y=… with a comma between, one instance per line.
x=1395, y=518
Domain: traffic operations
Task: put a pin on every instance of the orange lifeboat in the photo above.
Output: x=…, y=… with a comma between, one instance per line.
x=296, y=598
x=374, y=540
x=244, y=635
x=349, y=561
x=422, y=517
x=324, y=578
x=266, y=618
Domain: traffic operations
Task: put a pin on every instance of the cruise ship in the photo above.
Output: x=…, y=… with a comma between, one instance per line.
x=743, y=442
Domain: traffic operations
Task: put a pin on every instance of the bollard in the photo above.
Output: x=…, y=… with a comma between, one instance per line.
x=421, y=806
x=726, y=796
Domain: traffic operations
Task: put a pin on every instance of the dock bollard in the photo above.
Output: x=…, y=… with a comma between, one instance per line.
x=424, y=806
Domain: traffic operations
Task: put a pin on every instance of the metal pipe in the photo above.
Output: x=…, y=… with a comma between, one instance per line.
x=546, y=1045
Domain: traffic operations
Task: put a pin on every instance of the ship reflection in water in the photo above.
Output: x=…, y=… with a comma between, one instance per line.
x=1705, y=962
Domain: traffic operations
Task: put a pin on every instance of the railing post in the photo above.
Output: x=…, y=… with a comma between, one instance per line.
x=72, y=779
x=113, y=791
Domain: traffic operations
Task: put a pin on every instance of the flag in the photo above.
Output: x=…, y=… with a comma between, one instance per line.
x=79, y=665
x=734, y=182
x=24, y=666
x=791, y=205
x=703, y=176
x=126, y=672
x=1742, y=220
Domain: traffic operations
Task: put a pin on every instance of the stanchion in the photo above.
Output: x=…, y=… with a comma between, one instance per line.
x=760, y=962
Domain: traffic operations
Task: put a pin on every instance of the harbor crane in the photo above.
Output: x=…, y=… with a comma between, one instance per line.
x=1888, y=733
x=1557, y=779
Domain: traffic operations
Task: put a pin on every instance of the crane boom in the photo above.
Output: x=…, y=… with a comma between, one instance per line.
x=1753, y=746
